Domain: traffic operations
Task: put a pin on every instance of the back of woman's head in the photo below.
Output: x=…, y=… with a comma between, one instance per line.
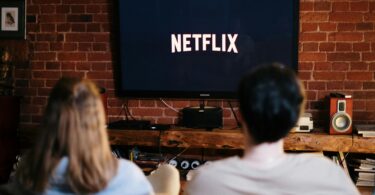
x=271, y=99
x=73, y=127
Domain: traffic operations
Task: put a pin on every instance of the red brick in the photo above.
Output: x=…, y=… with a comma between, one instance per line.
x=48, y=27
x=40, y=101
x=68, y=65
x=369, y=36
x=99, y=66
x=102, y=37
x=310, y=47
x=79, y=37
x=305, y=66
x=147, y=111
x=93, y=28
x=41, y=46
x=44, y=56
x=306, y=27
x=77, y=9
x=313, y=17
x=320, y=66
x=322, y=6
x=361, y=46
x=79, y=18
x=65, y=27
x=85, y=47
x=340, y=66
x=56, y=46
x=335, y=85
x=369, y=85
x=329, y=75
x=304, y=75
x=99, y=75
x=83, y=66
x=343, y=56
x=47, y=9
x=70, y=56
x=359, y=66
x=78, y=27
x=37, y=83
x=165, y=120
x=345, y=27
x=100, y=18
x=57, y=18
x=316, y=85
x=35, y=65
x=99, y=57
x=306, y=6
x=359, y=6
x=368, y=56
x=346, y=17
x=340, y=6
x=53, y=66
x=311, y=95
x=359, y=76
x=99, y=46
x=77, y=2
x=33, y=9
x=344, y=47
x=62, y=9
x=343, y=36
x=74, y=74
x=326, y=46
x=93, y=9
x=70, y=47
x=50, y=37
x=46, y=74
x=312, y=57
x=147, y=103
x=364, y=26
x=359, y=104
x=327, y=27
x=313, y=37
x=36, y=2
x=44, y=91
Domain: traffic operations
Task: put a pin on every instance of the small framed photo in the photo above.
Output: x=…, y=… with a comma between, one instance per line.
x=13, y=19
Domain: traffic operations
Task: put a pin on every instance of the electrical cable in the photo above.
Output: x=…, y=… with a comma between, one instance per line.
x=169, y=106
x=234, y=114
x=128, y=111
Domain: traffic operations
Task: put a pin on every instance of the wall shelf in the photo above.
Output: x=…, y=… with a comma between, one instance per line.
x=232, y=139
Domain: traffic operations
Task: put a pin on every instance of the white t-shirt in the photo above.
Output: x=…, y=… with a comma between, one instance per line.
x=296, y=174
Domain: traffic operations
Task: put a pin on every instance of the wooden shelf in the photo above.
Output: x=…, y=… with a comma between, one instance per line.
x=232, y=139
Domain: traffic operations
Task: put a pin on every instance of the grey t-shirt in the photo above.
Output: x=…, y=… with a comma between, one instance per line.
x=296, y=174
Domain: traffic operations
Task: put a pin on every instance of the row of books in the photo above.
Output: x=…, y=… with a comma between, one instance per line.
x=366, y=130
x=364, y=171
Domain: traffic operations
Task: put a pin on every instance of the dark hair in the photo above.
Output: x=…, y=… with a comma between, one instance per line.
x=271, y=99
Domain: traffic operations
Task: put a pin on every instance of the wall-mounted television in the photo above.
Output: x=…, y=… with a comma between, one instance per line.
x=200, y=48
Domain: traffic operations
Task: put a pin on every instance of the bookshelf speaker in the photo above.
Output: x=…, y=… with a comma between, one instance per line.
x=341, y=112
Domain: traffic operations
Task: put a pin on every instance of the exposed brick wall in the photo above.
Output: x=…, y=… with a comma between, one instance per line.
x=73, y=38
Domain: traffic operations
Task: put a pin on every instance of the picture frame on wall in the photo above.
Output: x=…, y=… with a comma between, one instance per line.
x=13, y=19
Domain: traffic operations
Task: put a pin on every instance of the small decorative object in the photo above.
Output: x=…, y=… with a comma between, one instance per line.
x=12, y=19
x=5, y=73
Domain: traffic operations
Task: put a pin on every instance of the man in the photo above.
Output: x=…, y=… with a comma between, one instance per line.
x=271, y=99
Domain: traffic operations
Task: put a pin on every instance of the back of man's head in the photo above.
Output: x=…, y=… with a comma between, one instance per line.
x=271, y=99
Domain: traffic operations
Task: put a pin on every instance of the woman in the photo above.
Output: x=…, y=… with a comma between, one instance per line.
x=73, y=154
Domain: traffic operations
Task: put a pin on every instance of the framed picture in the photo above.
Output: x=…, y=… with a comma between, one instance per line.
x=13, y=19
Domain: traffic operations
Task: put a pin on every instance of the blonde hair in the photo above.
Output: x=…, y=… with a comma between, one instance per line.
x=73, y=127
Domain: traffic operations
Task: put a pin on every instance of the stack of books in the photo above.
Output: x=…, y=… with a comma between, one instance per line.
x=366, y=172
x=366, y=130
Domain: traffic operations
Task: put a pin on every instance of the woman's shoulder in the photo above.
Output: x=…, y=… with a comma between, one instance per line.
x=128, y=180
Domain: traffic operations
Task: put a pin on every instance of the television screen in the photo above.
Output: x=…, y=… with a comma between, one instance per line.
x=200, y=48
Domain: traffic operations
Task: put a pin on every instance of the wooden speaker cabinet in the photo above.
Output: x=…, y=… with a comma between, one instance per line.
x=341, y=114
x=9, y=120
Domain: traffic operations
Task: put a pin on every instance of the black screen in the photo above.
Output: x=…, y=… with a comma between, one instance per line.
x=200, y=48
